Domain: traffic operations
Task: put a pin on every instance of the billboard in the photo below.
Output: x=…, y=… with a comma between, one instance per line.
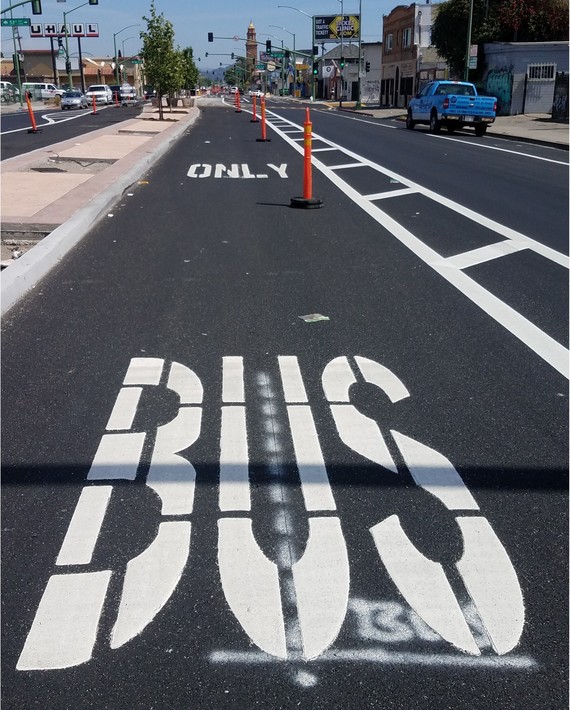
x=75, y=29
x=330, y=28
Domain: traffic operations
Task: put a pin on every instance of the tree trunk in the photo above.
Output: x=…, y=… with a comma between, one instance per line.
x=160, y=112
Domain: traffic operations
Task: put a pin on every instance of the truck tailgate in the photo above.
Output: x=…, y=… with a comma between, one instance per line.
x=471, y=105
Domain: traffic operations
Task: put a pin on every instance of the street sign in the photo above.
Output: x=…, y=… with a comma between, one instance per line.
x=260, y=66
x=472, y=62
x=16, y=22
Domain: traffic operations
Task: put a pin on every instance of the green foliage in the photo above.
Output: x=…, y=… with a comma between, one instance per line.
x=191, y=74
x=163, y=64
x=237, y=74
x=496, y=21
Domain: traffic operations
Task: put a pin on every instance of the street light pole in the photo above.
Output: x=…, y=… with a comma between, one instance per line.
x=67, y=60
x=115, y=49
x=467, y=51
x=263, y=34
x=359, y=97
x=313, y=39
x=123, y=44
x=341, y=51
x=294, y=55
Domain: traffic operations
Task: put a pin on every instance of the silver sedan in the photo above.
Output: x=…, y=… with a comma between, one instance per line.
x=74, y=99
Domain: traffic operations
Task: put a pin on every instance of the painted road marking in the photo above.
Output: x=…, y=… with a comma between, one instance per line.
x=150, y=580
x=546, y=347
x=234, y=461
x=294, y=606
x=473, y=144
x=85, y=526
x=234, y=171
x=483, y=254
x=502, y=150
x=65, y=626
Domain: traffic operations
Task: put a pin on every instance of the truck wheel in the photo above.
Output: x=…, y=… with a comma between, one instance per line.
x=434, y=124
x=410, y=123
x=480, y=130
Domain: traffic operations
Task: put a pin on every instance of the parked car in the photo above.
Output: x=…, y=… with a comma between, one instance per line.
x=74, y=99
x=124, y=92
x=256, y=92
x=453, y=104
x=101, y=92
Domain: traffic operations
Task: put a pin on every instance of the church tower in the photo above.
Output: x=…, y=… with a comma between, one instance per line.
x=251, y=48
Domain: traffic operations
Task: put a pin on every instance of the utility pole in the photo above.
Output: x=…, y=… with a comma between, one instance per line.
x=468, y=50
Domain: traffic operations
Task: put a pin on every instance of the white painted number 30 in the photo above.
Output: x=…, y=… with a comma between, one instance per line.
x=65, y=628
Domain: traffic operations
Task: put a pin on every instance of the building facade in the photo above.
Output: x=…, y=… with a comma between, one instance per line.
x=45, y=65
x=408, y=59
x=522, y=75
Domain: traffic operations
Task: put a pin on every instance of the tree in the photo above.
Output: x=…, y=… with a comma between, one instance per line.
x=163, y=64
x=190, y=70
x=496, y=21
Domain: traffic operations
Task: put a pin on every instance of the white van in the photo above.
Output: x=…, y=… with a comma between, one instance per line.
x=42, y=90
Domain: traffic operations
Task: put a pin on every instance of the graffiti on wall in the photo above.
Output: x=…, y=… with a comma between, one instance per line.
x=499, y=83
x=560, y=104
x=371, y=92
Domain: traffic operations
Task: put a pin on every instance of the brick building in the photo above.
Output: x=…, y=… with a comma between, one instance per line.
x=408, y=59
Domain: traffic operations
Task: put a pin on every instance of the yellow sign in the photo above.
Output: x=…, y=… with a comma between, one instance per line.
x=346, y=27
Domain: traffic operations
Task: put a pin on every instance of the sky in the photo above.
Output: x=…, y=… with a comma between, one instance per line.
x=193, y=19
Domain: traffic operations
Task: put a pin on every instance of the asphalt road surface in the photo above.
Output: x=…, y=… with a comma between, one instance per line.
x=256, y=456
x=55, y=125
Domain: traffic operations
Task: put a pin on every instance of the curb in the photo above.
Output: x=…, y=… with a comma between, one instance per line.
x=23, y=275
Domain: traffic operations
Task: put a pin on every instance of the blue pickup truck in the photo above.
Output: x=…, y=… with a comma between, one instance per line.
x=453, y=104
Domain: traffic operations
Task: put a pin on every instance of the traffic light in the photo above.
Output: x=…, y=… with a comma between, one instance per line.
x=68, y=67
x=268, y=46
x=60, y=42
x=315, y=70
x=93, y=2
x=210, y=36
x=342, y=62
x=315, y=50
x=206, y=53
x=36, y=7
x=367, y=66
x=287, y=54
x=232, y=55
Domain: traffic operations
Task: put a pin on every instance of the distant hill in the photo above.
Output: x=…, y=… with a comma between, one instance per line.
x=215, y=74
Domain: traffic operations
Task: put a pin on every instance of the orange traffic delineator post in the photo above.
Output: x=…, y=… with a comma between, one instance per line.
x=254, y=118
x=117, y=99
x=264, y=138
x=238, y=103
x=94, y=112
x=307, y=201
x=34, y=128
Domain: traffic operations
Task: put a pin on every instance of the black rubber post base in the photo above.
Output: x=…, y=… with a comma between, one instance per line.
x=254, y=120
x=238, y=110
x=263, y=140
x=37, y=130
x=306, y=204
